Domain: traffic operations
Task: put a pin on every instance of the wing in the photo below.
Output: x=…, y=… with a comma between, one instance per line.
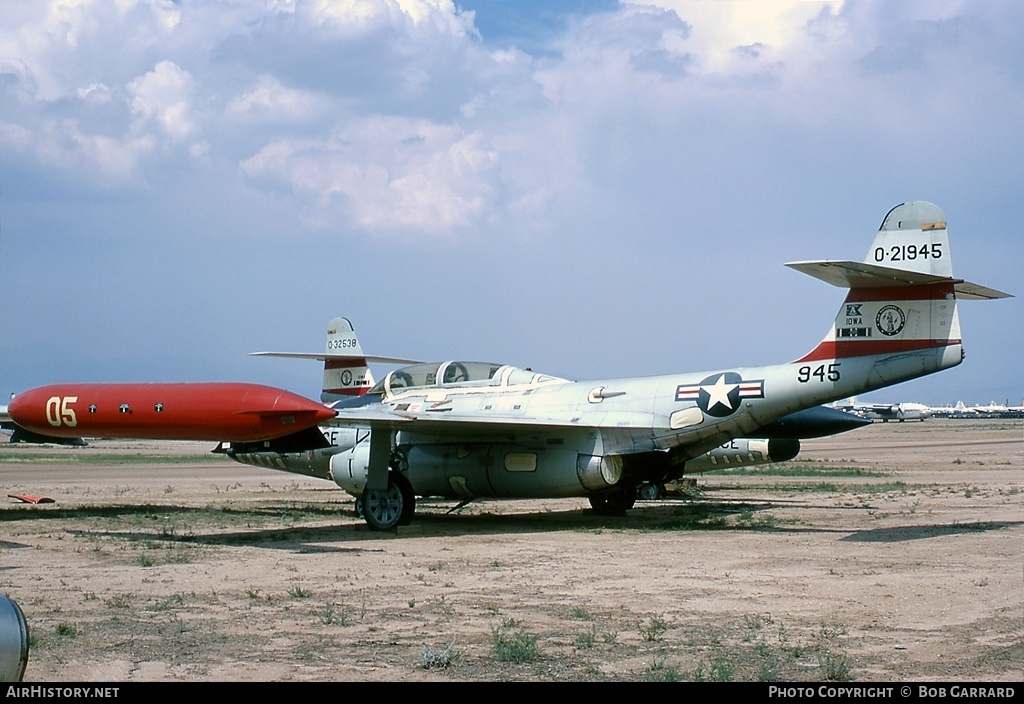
x=423, y=416
x=622, y=432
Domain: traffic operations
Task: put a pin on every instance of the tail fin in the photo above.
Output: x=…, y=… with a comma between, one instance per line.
x=346, y=370
x=901, y=306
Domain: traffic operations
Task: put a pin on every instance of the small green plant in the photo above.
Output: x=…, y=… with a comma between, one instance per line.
x=834, y=667
x=659, y=672
x=174, y=601
x=66, y=629
x=298, y=592
x=833, y=664
x=439, y=659
x=119, y=601
x=719, y=670
x=654, y=629
x=327, y=615
x=515, y=646
x=585, y=640
x=581, y=614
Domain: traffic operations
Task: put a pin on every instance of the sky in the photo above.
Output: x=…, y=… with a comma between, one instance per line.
x=589, y=188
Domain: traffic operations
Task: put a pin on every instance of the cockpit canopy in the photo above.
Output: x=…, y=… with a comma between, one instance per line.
x=458, y=375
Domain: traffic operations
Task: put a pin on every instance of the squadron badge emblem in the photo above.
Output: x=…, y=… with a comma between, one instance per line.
x=890, y=320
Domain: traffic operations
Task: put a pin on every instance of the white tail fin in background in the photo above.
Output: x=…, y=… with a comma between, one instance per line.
x=346, y=370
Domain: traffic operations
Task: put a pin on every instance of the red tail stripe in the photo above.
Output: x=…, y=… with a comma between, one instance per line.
x=840, y=349
x=344, y=363
x=930, y=292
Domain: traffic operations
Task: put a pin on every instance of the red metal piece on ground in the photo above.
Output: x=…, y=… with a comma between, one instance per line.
x=31, y=499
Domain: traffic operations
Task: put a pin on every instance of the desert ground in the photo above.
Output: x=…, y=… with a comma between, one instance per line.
x=891, y=553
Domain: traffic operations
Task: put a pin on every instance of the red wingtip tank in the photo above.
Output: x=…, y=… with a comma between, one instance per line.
x=229, y=412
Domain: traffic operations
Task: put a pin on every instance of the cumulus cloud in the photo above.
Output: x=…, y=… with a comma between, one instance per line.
x=398, y=116
x=389, y=172
x=163, y=95
x=605, y=146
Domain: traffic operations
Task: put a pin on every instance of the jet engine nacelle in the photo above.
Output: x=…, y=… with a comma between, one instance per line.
x=507, y=470
x=499, y=470
x=310, y=463
x=495, y=470
x=744, y=452
x=350, y=467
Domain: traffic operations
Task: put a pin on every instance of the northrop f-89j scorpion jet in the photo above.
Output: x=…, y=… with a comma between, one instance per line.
x=466, y=430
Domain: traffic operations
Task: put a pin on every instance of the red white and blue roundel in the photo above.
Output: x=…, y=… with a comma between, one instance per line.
x=719, y=395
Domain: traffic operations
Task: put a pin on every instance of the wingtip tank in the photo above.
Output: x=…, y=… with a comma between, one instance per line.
x=233, y=412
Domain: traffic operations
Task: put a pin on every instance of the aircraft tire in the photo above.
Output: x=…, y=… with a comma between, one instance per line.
x=408, y=498
x=613, y=503
x=650, y=491
x=389, y=508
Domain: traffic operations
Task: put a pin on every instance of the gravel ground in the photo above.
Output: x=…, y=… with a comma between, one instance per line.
x=892, y=553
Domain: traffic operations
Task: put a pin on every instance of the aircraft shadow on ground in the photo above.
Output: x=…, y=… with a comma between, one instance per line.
x=437, y=518
x=899, y=534
x=433, y=519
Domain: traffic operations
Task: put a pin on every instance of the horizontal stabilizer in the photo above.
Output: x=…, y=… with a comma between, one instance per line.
x=847, y=274
x=969, y=291
x=331, y=356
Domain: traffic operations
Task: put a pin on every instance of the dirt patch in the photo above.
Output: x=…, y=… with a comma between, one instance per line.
x=895, y=553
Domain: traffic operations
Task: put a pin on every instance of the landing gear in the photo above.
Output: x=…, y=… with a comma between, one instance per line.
x=650, y=491
x=386, y=509
x=613, y=503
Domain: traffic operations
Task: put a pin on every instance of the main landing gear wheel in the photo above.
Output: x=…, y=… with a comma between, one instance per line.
x=650, y=491
x=391, y=507
x=613, y=503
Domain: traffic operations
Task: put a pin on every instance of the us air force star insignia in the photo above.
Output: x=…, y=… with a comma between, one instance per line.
x=719, y=394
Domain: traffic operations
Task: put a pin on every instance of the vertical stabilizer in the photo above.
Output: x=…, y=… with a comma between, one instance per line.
x=899, y=320
x=913, y=238
x=346, y=372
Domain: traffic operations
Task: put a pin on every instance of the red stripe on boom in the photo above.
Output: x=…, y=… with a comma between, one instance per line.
x=839, y=349
x=924, y=292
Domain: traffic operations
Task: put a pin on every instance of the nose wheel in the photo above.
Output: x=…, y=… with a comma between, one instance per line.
x=386, y=509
